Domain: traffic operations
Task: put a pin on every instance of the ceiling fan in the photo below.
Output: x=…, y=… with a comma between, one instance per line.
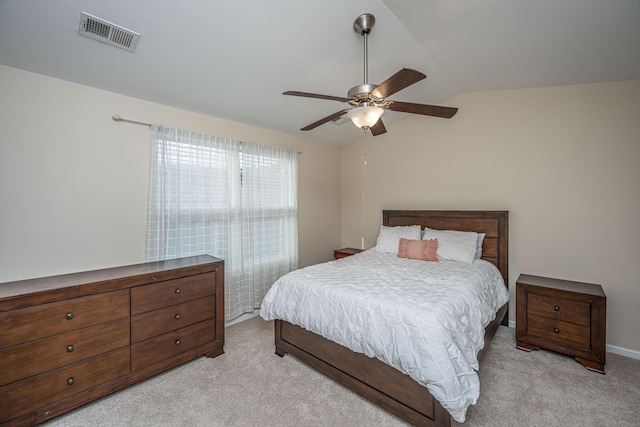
x=370, y=100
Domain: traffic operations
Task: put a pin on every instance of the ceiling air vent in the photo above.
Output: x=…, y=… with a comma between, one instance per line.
x=106, y=32
x=340, y=120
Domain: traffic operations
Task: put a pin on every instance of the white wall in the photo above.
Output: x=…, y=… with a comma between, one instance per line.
x=73, y=182
x=565, y=162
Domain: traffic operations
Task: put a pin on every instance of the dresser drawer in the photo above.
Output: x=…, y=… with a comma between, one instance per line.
x=157, y=322
x=162, y=347
x=163, y=294
x=26, y=360
x=557, y=330
x=560, y=308
x=33, y=323
x=24, y=396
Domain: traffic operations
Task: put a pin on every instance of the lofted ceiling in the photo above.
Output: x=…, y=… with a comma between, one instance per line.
x=233, y=59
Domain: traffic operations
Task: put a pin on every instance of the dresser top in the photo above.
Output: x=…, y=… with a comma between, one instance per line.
x=47, y=289
x=564, y=285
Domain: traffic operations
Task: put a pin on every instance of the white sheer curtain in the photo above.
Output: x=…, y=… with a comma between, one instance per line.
x=234, y=200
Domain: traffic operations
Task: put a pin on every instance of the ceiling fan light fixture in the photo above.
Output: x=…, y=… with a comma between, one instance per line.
x=367, y=98
x=365, y=117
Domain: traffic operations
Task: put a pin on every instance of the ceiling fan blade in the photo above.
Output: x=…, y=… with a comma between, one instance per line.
x=424, y=109
x=378, y=128
x=315, y=95
x=400, y=80
x=325, y=120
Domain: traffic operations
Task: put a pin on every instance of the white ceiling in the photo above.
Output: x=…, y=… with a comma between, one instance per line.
x=233, y=59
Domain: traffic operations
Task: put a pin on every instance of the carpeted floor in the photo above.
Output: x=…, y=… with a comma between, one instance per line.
x=250, y=386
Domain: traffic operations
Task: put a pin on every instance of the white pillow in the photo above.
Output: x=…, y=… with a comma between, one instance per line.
x=479, y=246
x=389, y=237
x=454, y=245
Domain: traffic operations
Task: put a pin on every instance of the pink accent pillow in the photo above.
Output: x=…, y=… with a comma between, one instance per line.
x=425, y=250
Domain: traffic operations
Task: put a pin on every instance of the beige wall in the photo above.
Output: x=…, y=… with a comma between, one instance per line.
x=565, y=162
x=73, y=182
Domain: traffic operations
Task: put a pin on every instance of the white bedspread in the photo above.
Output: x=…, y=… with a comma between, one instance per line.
x=426, y=319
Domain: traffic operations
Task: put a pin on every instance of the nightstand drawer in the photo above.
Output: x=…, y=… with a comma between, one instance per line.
x=557, y=330
x=560, y=308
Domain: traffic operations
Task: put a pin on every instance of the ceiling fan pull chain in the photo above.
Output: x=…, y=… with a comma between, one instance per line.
x=365, y=146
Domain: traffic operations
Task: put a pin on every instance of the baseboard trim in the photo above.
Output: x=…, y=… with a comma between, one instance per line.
x=242, y=318
x=623, y=351
x=610, y=348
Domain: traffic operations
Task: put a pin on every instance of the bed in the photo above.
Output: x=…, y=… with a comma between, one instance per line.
x=374, y=379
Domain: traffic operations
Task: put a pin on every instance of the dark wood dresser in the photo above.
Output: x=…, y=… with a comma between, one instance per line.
x=68, y=340
x=563, y=316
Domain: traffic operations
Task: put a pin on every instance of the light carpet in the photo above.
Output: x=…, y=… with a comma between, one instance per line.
x=250, y=386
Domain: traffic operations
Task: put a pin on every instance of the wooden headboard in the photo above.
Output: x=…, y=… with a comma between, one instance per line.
x=495, y=224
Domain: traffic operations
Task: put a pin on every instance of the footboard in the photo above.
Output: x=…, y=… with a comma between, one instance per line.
x=380, y=383
x=371, y=378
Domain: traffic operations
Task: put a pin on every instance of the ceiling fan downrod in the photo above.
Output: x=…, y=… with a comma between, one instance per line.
x=363, y=25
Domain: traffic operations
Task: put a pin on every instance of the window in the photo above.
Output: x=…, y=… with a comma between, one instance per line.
x=234, y=200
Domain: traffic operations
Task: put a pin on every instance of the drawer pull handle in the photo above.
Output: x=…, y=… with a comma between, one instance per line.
x=556, y=308
x=178, y=291
x=177, y=316
x=556, y=330
x=70, y=381
x=69, y=316
x=177, y=342
x=69, y=349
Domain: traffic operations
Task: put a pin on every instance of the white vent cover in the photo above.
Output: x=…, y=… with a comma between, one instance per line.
x=106, y=32
x=341, y=120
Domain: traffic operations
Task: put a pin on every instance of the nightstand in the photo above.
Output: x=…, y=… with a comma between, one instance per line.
x=563, y=316
x=345, y=252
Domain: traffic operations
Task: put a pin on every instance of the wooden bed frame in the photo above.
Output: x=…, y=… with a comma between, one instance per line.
x=375, y=380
